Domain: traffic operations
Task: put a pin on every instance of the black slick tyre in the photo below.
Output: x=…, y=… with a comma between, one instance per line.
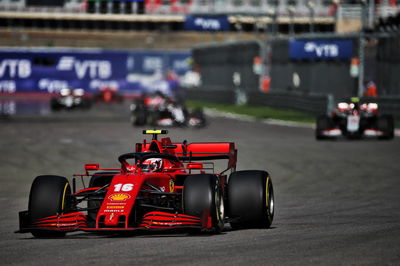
x=202, y=194
x=55, y=105
x=49, y=195
x=250, y=199
x=323, y=123
x=385, y=123
x=198, y=114
x=139, y=115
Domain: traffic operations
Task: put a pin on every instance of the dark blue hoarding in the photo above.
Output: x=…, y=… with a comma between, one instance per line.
x=204, y=23
x=49, y=70
x=320, y=49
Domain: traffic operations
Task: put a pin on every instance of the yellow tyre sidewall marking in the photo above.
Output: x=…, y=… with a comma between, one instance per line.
x=63, y=198
x=267, y=192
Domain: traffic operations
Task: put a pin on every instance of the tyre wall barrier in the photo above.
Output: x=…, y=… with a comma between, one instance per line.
x=216, y=95
x=312, y=104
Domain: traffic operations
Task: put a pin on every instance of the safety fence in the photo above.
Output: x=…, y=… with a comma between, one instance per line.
x=312, y=104
x=307, y=73
x=50, y=70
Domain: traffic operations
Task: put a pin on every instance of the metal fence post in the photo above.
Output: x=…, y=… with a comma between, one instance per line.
x=361, y=51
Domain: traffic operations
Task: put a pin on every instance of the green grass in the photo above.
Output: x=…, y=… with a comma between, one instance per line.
x=262, y=112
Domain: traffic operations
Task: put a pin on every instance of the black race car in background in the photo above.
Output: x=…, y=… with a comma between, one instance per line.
x=355, y=120
x=68, y=99
x=157, y=109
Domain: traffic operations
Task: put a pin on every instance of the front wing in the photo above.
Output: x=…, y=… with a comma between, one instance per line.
x=77, y=221
x=337, y=132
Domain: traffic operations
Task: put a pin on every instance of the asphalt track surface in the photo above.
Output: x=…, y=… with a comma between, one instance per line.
x=337, y=202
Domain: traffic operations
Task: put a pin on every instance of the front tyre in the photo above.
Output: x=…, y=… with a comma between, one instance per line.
x=55, y=105
x=323, y=123
x=201, y=194
x=385, y=123
x=251, y=199
x=49, y=195
x=138, y=113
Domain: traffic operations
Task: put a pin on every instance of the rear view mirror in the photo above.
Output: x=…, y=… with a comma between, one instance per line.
x=92, y=166
x=194, y=166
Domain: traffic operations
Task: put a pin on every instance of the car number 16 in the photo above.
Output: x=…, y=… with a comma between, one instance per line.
x=123, y=187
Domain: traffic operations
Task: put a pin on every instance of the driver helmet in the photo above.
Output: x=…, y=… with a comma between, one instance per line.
x=152, y=165
x=355, y=103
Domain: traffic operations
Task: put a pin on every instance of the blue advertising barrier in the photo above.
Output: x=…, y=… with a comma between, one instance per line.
x=49, y=70
x=321, y=49
x=214, y=23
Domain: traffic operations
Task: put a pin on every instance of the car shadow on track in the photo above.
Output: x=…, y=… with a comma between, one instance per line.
x=147, y=234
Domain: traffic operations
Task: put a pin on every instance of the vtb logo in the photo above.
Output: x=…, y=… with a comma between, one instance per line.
x=15, y=68
x=85, y=68
x=327, y=50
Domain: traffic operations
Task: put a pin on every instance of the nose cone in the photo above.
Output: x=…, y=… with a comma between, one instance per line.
x=112, y=219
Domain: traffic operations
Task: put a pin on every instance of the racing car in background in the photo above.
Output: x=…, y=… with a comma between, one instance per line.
x=108, y=95
x=158, y=109
x=162, y=185
x=69, y=99
x=355, y=120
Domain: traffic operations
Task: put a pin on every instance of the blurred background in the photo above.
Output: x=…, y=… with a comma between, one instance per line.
x=297, y=54
x=337, y=202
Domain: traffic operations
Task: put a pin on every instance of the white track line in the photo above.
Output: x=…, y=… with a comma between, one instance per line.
x=215, y=113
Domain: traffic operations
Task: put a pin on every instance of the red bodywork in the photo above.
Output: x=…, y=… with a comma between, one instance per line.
x=133, y=186
x=108, y=95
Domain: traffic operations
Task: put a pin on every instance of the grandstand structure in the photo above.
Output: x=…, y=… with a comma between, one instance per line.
x=248, y=17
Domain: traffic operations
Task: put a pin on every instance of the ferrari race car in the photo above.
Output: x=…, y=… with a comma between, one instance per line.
x=355, y=120
x=108, y=95
x=159, y=110
x=163, y=185
x=70, y=99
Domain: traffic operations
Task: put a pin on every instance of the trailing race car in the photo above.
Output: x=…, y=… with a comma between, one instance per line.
x=163, y=185
x=159, y=110
x=355, y=120
x=70, y=99
x=108, y=95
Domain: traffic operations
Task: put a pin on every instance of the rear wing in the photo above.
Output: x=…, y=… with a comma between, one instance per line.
x=197, y=151
x=203, y=151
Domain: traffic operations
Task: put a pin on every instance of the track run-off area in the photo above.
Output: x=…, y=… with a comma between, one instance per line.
x=337, y=202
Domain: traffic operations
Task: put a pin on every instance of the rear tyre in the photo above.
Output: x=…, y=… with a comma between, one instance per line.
x=323, y=123
x=138, y=113
x=198, y=115
x=49, y=195
x=386, y=124
x=250, y=199
x=55, y=105
x=202, y=194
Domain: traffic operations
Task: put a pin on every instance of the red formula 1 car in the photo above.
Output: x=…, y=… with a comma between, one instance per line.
x=108, y=95
x=163, y=185
x=355, y=120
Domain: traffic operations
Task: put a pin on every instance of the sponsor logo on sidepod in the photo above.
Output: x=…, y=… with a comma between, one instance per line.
x=119, y=197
